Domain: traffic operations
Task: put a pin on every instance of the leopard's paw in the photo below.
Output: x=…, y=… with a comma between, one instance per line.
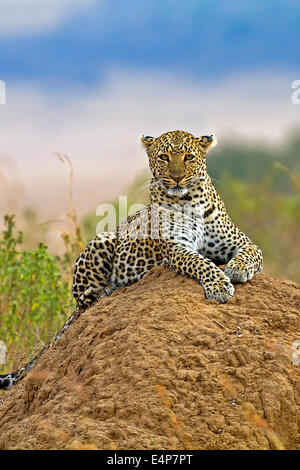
x=239, y=271
x=221, y=289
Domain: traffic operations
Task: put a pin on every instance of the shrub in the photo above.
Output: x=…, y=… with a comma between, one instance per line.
x=34, y=297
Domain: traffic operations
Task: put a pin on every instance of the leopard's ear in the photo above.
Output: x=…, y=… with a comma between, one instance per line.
x=207, y=141
x=147, y=140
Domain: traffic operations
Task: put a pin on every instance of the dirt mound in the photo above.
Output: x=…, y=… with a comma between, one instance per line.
x=157, y=366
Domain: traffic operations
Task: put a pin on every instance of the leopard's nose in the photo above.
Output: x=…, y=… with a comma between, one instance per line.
x=177, y=178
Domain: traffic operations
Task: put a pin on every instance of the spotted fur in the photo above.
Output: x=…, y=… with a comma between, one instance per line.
x=185, y=226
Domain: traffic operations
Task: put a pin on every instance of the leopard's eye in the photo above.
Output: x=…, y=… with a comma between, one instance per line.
x=164, y=157
x=189, y=157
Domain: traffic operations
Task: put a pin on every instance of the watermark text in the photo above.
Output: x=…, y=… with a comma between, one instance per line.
x=2, y=92
x=296, y=94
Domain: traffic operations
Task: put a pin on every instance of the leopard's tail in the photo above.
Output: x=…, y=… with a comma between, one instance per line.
x=9, y=380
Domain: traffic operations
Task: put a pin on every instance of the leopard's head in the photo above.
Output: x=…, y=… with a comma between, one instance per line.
x=176, y=158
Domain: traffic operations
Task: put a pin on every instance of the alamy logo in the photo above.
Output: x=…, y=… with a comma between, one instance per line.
x=160, y=221
x=2, y=353
x=2, y=92
x=296, y=94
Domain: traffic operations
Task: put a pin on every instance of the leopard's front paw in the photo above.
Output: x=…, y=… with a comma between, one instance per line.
x=221, y=289
x=238, y=271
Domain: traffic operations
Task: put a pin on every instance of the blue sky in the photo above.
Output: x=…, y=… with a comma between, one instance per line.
x=82, y=40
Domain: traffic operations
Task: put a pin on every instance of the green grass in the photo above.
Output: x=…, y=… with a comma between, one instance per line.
x=34, y=297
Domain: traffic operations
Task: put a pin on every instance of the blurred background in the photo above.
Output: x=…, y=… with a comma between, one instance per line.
x=84, y=78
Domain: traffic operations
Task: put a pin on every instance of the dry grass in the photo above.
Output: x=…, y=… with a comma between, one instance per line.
x=175, y=424
x=71, y=236
x=23, y=339
x=250, y=415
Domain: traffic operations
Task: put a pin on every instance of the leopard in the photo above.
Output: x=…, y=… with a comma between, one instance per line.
x=186, y=226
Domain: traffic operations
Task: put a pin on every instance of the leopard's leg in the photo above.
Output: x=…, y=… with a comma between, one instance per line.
x=224, y=241
x=247, y=261
x=216, y=284
x=93, y=269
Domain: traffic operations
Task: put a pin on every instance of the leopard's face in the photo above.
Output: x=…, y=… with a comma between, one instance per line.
x=177, y=158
